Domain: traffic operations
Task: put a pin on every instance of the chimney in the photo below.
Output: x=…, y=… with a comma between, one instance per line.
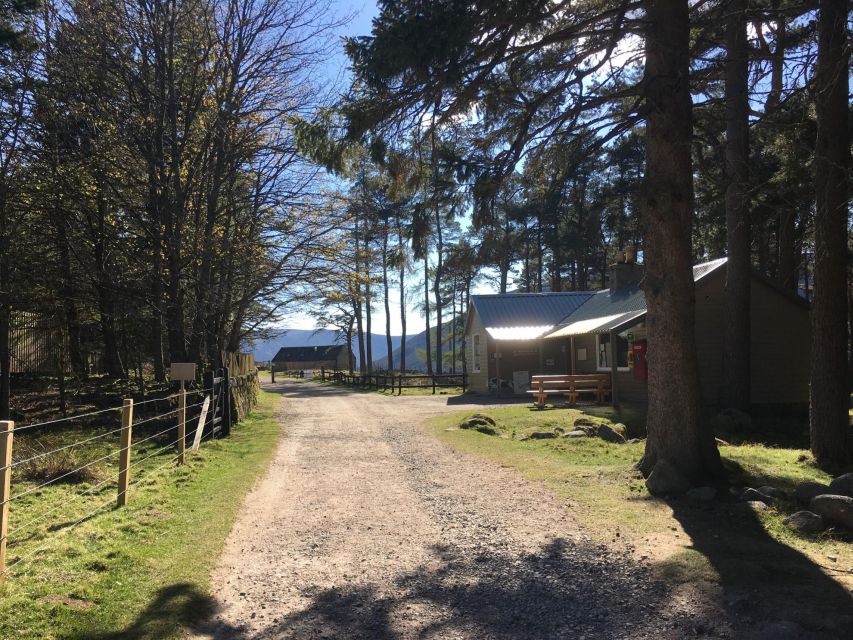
x=626, y=272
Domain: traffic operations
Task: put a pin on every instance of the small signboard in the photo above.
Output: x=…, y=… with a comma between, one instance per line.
x=182, y=371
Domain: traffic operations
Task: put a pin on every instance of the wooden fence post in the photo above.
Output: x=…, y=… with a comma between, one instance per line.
x=124, y=456
x=182, y=423
x=433, y=384
x=272, y=372
x=227, y=418
x=7, y=432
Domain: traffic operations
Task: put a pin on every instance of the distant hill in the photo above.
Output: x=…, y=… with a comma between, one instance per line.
x=265, y=350
x=416, y=350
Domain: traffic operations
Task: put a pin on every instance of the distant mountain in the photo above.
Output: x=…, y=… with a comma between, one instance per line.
x=416, y=350
x=265, y=350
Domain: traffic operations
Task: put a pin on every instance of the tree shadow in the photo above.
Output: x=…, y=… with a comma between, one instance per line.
x=175, y=607
x=561, y=590
x=757, y=577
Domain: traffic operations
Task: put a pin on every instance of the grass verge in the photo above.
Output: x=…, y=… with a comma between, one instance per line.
x=141, y=571
x=721, y=542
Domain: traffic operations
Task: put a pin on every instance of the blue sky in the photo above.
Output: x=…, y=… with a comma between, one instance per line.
x=362, y=12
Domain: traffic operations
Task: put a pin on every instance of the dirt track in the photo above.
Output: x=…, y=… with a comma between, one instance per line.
x=367, y=527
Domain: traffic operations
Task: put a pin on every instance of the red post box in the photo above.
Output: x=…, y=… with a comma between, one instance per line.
x=638, y=359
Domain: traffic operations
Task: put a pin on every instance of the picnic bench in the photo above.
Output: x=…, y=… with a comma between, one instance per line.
x=571, y=386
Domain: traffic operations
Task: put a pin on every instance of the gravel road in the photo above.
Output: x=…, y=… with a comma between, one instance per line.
x=367, y=527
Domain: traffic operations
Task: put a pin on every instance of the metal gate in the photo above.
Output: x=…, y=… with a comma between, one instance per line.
x=217, y=384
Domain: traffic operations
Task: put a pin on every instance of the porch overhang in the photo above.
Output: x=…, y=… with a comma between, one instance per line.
x=602, y=324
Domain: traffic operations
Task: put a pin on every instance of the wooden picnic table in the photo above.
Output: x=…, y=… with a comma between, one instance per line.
x=571, y=386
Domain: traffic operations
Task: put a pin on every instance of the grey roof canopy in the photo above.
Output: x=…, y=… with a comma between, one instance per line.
x=309, y=354
x=525, y=316
x=607, y=311
x=528, y=316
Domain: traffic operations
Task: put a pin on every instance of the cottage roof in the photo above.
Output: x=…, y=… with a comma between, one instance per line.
x=608, y=311
x=525, y=316
x=309, y=354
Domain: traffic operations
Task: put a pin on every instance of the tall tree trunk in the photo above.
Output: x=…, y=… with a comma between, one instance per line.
x=738, y=240
x=389, y=345
x=402, y=257
x=104, y=292
x=787, y=240
x=359, y=327
x=368, y=315
x=676, y=433
x=829, y=398
x=5, y=323
x=426, y=315
x=439, y=301
x=68, y=294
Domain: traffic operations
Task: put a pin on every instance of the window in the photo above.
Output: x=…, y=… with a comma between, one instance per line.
x=602, y=348
x=476, y=352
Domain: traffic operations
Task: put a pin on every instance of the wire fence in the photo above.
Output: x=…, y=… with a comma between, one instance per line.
x=107, y=466
x=396, y=382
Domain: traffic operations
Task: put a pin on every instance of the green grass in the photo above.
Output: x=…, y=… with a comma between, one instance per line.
x=612, y=505
x=141, y=571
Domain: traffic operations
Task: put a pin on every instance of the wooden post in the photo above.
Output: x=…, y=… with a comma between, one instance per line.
x=182, y=423
x=322, y=374
x=614, y=367
x=124, y=456
x=433, y=384
x=7, y=432
x=227, y=416
x=272, y=371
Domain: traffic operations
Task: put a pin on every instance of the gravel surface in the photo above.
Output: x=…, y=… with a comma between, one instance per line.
x=367, y=527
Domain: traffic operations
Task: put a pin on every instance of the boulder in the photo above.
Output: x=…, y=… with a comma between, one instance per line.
x=773, y=492
x=584, y=422
x=754, y=495
x=835, y=509
x=702, y=494
x=488, y=429
x=577, y=433
x=483, y=416
x=473, y=423
x=539, y=435
x=805, y=522
x=805, y=491
x=621, y=429
x=666, y=480
x=842, y=485
x=609, y=435
x=751, y=506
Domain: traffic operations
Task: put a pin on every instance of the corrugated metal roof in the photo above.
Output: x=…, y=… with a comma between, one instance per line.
x=512, y=310
x=702, y=270
x=605, y=312
x=309, y=354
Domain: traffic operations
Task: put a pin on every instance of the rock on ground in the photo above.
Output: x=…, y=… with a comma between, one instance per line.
x=805, y=491
x=609, y=435
x=666, y=480
x=842, y=485
x=834, y=509
x=805, y=522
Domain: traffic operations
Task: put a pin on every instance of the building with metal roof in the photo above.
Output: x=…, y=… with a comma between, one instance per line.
x=525, y=316
x=330, y=356
x=510, y=337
